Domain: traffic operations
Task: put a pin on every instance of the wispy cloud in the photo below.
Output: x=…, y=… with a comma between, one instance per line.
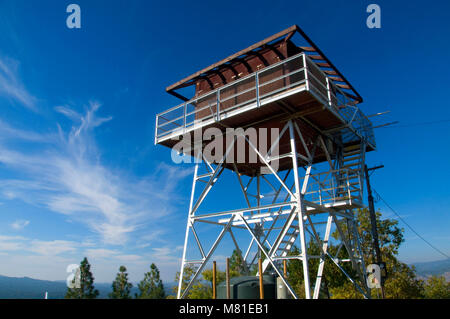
x=20, y=224
x=48, y=259
x=167, y=254
x=11, y=85
x=67, y=177
x=52, y=248
x=101, y=253
x=36, y=246
x=10, y=133
x=11, y=243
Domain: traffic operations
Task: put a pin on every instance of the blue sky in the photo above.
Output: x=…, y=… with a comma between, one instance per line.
x=79, y=174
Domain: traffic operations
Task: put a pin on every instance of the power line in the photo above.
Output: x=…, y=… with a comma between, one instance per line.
x=418, y=235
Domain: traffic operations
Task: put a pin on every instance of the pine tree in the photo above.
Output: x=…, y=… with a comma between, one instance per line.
x=151, y=287
x=86, y=289
x=121, y=287
x=237, y=267
x=189, y=271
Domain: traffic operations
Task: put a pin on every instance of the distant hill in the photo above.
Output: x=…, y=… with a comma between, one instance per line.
x=29, y=288
x=438, y=268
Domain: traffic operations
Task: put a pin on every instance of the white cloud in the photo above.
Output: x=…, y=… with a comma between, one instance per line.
x=3, y=237
x=68, y=178
x=100, y=253
x=67, y=111
x=11, y=243
x=11, y=86
x=20, y=224
x=7, y=132
x=129, y=258
x=49, y=259
x=52, y=248
x=22, y=244
x=63, y=172
x=167, y=254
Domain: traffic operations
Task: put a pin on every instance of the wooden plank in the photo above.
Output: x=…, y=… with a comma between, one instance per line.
x=289, y=36
x=316, y=57
x=330, y=72
x=323, y=64
x=336, y=79
x=343, y=86
x=308, y=49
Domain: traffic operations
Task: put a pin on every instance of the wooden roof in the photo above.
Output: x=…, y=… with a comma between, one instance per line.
x=312, y=51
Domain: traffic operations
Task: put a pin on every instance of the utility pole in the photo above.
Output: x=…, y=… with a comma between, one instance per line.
x=373, y=222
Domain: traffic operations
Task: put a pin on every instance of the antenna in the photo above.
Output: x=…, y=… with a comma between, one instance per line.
x=378, y=114
x=386, y=124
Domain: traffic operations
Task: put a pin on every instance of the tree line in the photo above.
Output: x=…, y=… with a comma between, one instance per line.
x=401, y=283
x=151, y=287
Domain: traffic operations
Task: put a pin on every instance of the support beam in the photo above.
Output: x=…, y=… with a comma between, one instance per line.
x=287, y=215
x=300, y=212
x=205, y=260
x=322, y=260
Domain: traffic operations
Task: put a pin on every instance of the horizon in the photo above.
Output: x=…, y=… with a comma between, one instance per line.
x=164, y=281
x=80, y=176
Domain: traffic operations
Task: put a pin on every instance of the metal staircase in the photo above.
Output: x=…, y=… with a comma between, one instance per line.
x=288, y=240
x=349, y=183
x=352, y=172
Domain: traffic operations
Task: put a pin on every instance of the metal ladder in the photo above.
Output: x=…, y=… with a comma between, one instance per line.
x=352, y=161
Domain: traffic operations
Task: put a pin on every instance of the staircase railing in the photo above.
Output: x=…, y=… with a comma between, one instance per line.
x=334, y=186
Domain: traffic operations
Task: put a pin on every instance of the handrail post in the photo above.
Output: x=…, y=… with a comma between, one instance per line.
x=257, y=89
x=218, y=104
x=306, y=72
x=348, y=187
x=333, y=187
x=329, y=91
x=156, y=129
x=184, y=118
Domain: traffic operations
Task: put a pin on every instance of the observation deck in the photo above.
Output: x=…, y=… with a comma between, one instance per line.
x=283, y=81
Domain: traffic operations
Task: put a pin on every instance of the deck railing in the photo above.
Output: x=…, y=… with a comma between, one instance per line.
x=335, y=186
x=294, y=74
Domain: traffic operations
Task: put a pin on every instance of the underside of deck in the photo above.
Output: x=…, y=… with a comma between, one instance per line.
x=312, y=116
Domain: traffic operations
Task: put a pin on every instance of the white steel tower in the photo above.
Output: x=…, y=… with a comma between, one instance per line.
x=298, y=160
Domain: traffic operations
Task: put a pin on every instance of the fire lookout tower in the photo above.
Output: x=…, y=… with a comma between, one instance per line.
x=306, y=182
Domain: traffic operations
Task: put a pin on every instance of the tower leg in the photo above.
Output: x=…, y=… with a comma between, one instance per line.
x=281, y=221
x=186, y=237
x=322, y=259
x=300, y=213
